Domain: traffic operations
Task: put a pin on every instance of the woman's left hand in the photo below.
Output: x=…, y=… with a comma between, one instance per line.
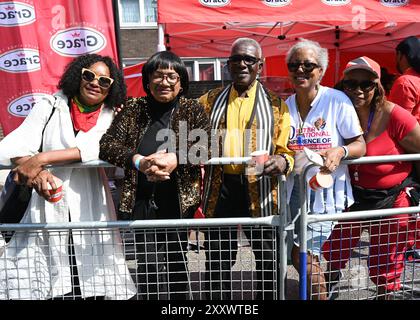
x=27, y=171
x=332, y=157
x=162, y=165
x=41, y=181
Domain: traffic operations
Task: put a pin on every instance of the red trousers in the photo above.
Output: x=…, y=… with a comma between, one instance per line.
x=389, y=239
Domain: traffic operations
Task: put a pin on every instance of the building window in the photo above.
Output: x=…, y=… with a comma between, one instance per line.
x=138, y=13
x=207, y=69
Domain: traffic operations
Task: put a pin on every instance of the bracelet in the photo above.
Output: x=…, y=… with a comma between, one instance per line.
x=137, y=162
x=286, y=169
x=346, y=151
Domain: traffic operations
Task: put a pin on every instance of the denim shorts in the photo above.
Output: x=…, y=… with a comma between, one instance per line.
x=318, y=232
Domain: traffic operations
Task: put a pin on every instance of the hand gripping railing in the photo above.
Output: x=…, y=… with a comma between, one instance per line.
x=305, y=219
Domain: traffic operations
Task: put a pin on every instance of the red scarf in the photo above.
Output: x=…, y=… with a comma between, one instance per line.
x=83, y=120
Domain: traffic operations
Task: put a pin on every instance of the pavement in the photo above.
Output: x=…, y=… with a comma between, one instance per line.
x=355, y=284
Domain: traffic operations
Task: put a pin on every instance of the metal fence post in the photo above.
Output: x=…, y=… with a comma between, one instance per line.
x=282, y=233
x=303, y=235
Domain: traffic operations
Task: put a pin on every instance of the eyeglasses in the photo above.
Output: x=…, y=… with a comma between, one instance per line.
x=365, y=85
x=248, y=60
x=103, y=81
x=307, y=66
x=171, y=78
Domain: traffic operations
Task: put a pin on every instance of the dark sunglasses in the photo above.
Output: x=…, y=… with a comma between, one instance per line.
x=103, y=81
x=248, y=60
x=307, y=66
x=365, y=85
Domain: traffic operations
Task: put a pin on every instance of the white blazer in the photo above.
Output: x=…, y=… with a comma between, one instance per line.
x=35, y=265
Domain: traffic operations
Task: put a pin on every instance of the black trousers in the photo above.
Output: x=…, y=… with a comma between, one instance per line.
x=221, y=245
x=162, y=271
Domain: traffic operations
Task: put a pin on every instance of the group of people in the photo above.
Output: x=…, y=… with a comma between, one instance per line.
x=162, y=181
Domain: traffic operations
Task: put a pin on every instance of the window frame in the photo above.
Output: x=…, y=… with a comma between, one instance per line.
x=196, y=62
x=142, y=24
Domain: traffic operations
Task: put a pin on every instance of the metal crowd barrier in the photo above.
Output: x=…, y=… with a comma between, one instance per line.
x=40, y=274
x=378, y=257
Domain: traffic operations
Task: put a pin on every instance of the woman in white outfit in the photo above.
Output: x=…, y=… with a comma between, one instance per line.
x=63, y=264
x=323, y=120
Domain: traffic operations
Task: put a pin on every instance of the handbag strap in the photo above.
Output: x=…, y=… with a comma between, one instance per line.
x=51, y=114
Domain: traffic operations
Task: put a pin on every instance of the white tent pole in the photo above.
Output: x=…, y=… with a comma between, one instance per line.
x=161, y=38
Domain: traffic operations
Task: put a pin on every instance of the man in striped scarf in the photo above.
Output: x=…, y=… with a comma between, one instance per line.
x=248, y=117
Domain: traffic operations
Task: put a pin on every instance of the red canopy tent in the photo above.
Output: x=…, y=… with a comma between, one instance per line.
x=206, y=28
x=133, y=79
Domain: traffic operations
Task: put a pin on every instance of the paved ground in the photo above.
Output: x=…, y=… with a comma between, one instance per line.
x=355, y=285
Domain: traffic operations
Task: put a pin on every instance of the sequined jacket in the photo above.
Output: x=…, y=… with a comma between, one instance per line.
x=119, y=144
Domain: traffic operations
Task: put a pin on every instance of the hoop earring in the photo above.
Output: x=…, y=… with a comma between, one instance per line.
x=180, y=90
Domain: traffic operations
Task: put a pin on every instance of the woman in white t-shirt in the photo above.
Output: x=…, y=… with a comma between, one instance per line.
x=323, y=120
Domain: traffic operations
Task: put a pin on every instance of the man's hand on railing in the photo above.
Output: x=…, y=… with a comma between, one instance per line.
x=275, y=165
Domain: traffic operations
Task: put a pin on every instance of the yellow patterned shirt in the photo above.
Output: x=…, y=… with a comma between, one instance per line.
x=238, y=115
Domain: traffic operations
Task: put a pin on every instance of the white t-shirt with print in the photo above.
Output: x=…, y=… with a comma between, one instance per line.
x=331, y=119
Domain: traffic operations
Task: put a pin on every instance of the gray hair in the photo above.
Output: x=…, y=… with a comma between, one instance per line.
x=321, y=54
x=247, y=41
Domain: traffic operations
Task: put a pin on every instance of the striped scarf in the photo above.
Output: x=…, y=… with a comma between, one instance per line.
x=263, y=113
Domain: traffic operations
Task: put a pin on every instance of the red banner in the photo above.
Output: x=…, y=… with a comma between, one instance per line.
x=39, y=38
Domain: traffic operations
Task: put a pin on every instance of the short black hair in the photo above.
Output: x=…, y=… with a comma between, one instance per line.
x=72, y=76
x=410, y=47
x=165, y=59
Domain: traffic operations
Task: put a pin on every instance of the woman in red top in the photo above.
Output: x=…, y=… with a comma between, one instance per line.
x=389, y=130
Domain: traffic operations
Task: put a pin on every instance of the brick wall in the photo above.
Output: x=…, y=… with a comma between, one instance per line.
x=198, y=88
x=138, y=43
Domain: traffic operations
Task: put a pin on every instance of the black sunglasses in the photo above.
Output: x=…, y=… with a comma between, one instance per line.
x=307, y=66
x=352, y=85
x=103, y=81
x=248, y=60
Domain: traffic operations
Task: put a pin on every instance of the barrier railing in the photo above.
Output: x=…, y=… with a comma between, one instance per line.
x=307, y=219
x=138, y=230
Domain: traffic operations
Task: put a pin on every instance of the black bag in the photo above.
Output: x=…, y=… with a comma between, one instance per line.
x=14, y=198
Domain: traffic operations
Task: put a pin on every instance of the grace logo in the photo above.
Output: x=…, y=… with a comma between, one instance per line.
x=214, y=3
x=20, y=60
x=394, y=3
x=276, y=3
x=16, y=14
x=76, y=41
x=21, y=106
x=336, y=3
